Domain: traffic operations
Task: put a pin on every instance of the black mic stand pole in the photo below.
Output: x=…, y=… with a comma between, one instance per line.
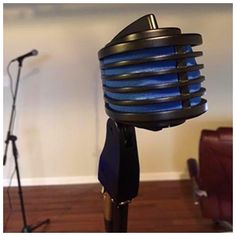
x=11, y=137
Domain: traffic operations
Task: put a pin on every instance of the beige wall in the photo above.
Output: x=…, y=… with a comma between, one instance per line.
x=60, y=112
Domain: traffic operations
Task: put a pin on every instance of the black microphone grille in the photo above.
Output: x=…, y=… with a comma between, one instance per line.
x=35, y=52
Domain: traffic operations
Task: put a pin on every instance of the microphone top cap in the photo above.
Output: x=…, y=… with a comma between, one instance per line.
x=35, y=52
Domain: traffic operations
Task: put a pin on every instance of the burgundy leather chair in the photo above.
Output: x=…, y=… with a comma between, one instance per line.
x=212, y=179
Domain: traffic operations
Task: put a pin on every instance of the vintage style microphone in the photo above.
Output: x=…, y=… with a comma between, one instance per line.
x=150, y=80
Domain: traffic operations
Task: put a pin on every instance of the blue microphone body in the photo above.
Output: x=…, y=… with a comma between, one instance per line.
x=150, y=76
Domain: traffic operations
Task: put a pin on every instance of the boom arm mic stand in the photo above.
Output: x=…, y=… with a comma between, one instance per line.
x=12, y=138
x=152, y=81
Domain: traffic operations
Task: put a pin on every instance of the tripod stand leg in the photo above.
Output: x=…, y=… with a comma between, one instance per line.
x=47, y=221
x=26, y=228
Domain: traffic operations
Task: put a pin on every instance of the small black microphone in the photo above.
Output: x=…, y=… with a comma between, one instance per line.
x=34, y=52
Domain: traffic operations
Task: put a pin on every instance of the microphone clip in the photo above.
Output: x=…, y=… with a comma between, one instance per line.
x=119, y=163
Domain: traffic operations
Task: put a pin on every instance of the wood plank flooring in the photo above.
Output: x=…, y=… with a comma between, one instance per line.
x=164, y=206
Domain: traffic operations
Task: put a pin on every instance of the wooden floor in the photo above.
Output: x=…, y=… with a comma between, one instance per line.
x=165, y=206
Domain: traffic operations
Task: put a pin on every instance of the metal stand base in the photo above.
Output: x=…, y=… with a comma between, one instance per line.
x=26, y=228
x=31, y=228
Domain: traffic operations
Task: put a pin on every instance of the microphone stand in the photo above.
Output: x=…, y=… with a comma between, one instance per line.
x=12, y=138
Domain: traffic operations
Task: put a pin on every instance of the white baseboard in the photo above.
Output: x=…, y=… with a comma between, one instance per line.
x=53, y=181
x=93, y=179
x=159, y=176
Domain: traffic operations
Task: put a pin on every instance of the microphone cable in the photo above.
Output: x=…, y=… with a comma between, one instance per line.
x=11, y=90
x=9, y=199
x=10, y=78
x=14, y=170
